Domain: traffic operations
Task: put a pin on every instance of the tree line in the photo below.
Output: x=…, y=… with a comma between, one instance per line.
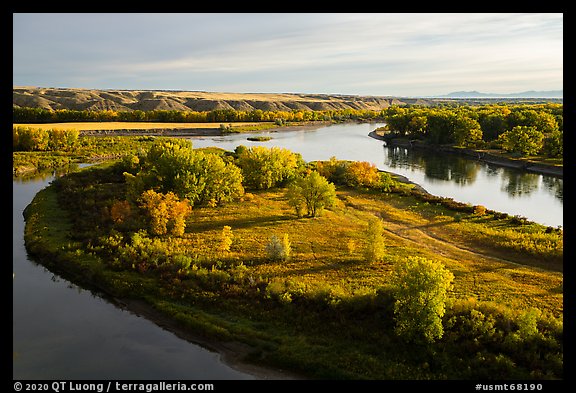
x=42, y=115
x=37, y=139
x=535, y=129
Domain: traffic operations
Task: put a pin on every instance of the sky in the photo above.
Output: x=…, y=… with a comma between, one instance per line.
x=376, y=54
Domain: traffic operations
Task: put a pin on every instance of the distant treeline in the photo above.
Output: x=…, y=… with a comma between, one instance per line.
x=36, y=139
x=526, y=129
x=41, y=115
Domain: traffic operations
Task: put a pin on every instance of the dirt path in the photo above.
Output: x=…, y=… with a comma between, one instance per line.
x=480, y=273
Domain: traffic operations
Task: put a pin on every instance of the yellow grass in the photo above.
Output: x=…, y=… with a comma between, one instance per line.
x=119, y=125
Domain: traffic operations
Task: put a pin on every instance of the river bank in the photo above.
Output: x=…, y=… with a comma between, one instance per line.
x=232, y=353
x=197, y=131
x=46, y=245
x=479, y=155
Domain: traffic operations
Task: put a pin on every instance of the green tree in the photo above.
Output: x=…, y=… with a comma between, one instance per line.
x=313, y=191
x=554, y=144
x=264, y=167
x=173, y=166
x=421, y=289
x=467, y=131
x=523, y=140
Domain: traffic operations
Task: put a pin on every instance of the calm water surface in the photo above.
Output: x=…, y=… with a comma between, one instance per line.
x=536, y=197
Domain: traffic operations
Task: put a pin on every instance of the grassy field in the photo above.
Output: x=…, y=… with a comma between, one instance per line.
x=328, y=250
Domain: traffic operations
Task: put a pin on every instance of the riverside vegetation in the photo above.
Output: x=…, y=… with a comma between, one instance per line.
x=330, y=268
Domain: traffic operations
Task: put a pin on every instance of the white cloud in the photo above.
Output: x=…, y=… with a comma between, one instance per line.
x=366, y=53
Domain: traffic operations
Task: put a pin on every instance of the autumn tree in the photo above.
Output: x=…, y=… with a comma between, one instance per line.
x=313, y=191
x=362, y=174
x=165, y=212
x=523, y=140
x=120, y=212
x=421, y=289
x=264, y=167
x=226, y=237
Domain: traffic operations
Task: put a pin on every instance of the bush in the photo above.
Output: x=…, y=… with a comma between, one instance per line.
x=375, y=248
x=279, y=250
x=226, y=237
x=479, y=210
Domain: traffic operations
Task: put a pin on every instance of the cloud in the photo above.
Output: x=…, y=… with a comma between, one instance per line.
x=316, y=52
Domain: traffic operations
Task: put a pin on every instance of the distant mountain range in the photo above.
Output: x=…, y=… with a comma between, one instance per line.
x=524, y=94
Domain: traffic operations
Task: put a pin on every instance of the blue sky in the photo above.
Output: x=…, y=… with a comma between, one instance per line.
x=362, y=54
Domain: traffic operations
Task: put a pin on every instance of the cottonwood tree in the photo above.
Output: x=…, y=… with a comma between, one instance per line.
x=421, y=289
x=523, y=140
x=202, y=178
x=313, y=191
x=264, y=168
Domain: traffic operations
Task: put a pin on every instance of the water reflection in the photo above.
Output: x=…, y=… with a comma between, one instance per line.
x=434, y=166
x=518, y=184
x=48, y=173
x=465, y=172
x=555, y=185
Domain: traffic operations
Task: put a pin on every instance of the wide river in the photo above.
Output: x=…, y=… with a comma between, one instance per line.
x=61, y=331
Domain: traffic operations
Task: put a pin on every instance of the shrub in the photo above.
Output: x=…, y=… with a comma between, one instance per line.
x=479, y=210
x=166, y=213
x=226, y=237
x=279, y=250
x=375, y=248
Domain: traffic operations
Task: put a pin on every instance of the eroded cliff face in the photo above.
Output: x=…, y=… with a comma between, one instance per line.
x=146, y=100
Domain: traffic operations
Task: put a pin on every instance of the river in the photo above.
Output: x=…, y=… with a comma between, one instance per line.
x=537, y=197
x=61, y=331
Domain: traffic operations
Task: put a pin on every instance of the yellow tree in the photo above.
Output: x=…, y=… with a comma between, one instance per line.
x=166, y=212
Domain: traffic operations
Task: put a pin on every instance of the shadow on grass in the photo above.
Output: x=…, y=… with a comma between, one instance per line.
x=239, y=223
